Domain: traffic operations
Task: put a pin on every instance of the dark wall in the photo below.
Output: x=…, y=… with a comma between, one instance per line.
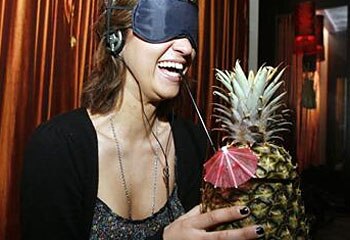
x=347, y=158
x=321, y=4
x=337, y=68
x=267, y=28
x=268, y=10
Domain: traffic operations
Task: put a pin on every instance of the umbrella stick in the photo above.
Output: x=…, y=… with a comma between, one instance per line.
x=200, y=116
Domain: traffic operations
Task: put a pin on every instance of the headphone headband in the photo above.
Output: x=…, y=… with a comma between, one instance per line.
x=114, y=37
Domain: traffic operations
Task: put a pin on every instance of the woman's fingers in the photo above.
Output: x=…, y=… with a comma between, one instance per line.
x=212, y=218
x=193, y=212
x=251, y=232
x=193, y=225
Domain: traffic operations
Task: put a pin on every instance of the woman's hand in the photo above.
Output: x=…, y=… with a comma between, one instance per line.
x=193, y=225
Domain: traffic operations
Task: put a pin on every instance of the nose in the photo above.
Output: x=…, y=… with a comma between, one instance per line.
x=183, y=46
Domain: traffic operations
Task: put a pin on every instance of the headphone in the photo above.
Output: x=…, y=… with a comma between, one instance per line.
x=114, y=41
x=114, y=37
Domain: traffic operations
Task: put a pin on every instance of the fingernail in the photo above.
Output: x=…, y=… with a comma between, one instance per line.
x=244, y=211
x=260, y=231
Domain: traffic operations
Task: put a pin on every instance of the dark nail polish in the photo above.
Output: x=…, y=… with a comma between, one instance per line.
x=260, y=231
x=244, y=211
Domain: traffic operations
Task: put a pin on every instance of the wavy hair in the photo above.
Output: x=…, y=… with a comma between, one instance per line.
x=104, y=85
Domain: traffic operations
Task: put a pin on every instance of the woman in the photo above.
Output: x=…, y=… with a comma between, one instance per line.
x=125, y=166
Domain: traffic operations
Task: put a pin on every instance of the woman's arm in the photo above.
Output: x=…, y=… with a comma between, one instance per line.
x=51, y=188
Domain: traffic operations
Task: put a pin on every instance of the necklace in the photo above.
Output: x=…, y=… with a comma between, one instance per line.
x=156, y=161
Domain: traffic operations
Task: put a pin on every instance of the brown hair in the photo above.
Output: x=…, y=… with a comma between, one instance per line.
x=102, y=89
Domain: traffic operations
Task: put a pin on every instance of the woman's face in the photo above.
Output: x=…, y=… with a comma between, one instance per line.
x=158, y=68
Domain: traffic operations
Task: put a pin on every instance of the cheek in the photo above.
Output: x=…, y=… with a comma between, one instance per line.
x=194, y=54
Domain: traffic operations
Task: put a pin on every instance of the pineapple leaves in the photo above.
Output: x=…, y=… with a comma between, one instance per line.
x=241, y=80
x=225, y=79
x=222, y=96
x=251, y=107
x=272, y=87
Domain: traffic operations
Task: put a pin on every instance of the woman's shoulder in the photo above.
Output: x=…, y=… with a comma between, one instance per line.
x=71, y=122
x=64, y=139
x=74, y=126
x=70, y=119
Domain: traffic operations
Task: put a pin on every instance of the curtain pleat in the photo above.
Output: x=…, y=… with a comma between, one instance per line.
x=223, y=38
x=46, y=50
x=305, y=140
x=45, y=54
x=13, y=73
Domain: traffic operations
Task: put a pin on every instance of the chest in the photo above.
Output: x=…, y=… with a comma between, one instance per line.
x=132, y=179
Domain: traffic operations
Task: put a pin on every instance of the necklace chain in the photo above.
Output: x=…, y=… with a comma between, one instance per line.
x=156, y=161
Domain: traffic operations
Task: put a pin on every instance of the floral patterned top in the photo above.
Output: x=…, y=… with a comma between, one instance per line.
x=108, y=225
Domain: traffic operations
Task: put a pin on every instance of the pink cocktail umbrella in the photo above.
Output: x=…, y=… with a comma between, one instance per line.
x=230, y=167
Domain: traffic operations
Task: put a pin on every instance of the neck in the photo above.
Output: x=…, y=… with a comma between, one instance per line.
x=137, y=118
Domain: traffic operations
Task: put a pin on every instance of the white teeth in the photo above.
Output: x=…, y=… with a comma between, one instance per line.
x=174, y=74
x=175, y=65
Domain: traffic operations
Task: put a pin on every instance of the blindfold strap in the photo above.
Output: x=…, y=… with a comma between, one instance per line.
x=120, y=7
x=111, y=5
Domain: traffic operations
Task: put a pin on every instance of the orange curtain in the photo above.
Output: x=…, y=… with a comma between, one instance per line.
x=45, y=53
x=223, y=38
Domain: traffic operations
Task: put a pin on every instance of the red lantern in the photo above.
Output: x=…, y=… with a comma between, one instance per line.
x=305, y=39
x=319, y=38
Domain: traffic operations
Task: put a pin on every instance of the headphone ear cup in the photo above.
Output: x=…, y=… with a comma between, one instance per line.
x=115, y=42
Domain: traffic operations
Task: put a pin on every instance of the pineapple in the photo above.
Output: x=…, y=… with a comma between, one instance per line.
x=251, y=116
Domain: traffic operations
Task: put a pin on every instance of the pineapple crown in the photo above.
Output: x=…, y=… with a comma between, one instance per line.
x=251, y=110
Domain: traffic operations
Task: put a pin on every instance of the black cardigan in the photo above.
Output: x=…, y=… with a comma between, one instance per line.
x=60, y=175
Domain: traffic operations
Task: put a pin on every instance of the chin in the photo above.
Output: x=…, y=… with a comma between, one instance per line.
x=170, y=93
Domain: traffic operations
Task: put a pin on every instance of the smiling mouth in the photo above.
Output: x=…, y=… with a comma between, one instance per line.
x=174, y=69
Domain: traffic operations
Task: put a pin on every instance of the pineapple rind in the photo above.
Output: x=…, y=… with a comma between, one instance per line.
x=274, y=199
x=273, y=163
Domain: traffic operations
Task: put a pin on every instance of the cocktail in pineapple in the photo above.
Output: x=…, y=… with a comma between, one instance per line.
x=251, y=168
